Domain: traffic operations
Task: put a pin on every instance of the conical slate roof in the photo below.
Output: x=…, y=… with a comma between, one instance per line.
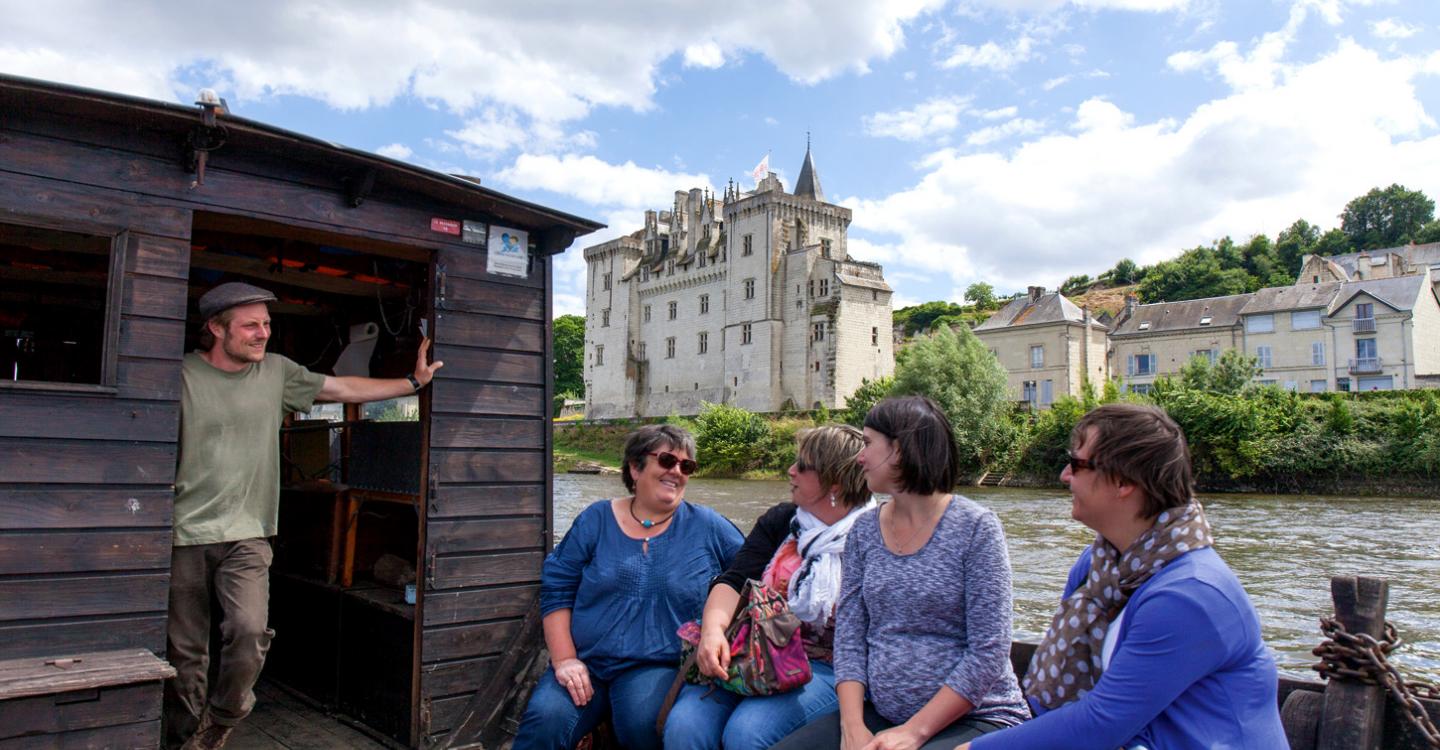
x=808, y=185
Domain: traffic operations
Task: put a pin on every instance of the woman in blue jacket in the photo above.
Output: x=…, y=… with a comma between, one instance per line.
x=1155, y=644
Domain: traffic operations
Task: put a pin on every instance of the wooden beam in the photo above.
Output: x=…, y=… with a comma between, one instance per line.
x=1354, y=713
x=261, y=270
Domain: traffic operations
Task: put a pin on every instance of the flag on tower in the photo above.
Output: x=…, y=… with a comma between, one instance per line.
x=761, y=169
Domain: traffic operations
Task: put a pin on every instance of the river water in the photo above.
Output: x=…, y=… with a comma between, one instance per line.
x=1284, y=550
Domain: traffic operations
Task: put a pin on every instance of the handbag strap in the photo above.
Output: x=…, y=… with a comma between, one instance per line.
x=690, y=659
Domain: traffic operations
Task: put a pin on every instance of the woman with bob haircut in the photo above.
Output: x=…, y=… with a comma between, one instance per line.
x=627, y=574
x=796, y=548
x=1155, y=643
x=922, y=636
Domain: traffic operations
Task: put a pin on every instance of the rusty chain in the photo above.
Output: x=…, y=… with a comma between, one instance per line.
x=1361, y=657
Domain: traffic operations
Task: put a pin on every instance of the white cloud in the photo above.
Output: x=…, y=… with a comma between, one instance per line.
x=998, y=114
x=626, y=187
x=395, y=151
x=553, y=63
x=934, y=117
x=1389, y=28
x=1057, y=82
x=991, y=55
x=1114, y=186
x=1018, y=126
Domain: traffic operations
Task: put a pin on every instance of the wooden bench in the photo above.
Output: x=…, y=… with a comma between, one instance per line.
x=107, y=699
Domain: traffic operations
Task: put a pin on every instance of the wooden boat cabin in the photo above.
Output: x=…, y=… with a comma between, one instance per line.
x=116, y=213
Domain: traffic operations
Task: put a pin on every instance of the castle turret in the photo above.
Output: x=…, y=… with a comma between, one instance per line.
x=808, y=185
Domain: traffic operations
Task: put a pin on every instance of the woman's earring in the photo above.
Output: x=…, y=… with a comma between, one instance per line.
x=832, y=499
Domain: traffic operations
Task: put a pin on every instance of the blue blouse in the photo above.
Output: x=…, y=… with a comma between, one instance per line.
x=626, y=603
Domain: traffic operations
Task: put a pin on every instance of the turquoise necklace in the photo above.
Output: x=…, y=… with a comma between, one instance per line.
x=648, y=524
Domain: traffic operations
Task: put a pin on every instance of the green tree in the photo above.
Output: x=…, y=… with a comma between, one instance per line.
x=729, y=438
x=918, y=318
x=1197, y=273
x=569, y=349
x=1075, y=285
x=981, y=295
x=1332, y=242
x=870, y=392
x=1386, y=218
x=1294, y=243
x=1231, y=372
x=1125, y=272
x=952, y=367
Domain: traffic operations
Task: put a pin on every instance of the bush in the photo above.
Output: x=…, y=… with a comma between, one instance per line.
x=869, y=393
x=730, y=439
x=952, y=367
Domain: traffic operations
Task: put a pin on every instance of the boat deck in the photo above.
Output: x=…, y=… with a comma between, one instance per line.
x=282, y=721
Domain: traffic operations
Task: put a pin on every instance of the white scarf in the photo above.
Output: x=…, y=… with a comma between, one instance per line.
x=816, y=586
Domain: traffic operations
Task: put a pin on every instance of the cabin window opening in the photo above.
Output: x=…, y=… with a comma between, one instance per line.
x=60, y=321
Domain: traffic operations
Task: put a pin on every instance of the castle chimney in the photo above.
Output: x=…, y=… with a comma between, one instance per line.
x=1130, y=301
x=1036, y=292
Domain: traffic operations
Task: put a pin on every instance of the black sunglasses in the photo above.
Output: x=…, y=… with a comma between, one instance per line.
x=667, y=462
x=1077, y=463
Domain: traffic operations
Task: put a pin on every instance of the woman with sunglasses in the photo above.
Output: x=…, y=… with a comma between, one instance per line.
x=627, y=574
x=795, y=547
x=922, y=637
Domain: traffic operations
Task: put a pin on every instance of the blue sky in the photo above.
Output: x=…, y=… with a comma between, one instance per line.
x=1014, y=142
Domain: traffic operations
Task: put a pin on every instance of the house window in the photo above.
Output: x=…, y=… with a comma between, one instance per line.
x=1365, y=310
x=1342, y=384
x=1317, y=386
x=874, y=336
x=1037, y=357
x=744, y=333
x=749, y=289
x=1208, y=354
x=1259, y=323
x=1027, y=392
x=599, y=355
x=1140, y=364
x=645, y=314
x=1141, y=388
x=825, y=247
x=61, y=309
x=1301, y=320
x=1365, y=350
x=674, y=309
x=670, y=348
x=704, y=345
x=1317, y=352
x=824, y=287
x=817, y=332
x=704, y=304
x=1205, y=320
x=1263, y=354
x=606, y=285
x=1047, y=392
x=605, y=318
x=747, y=244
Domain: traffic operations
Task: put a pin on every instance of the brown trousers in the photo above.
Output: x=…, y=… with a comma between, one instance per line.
x=238, y=575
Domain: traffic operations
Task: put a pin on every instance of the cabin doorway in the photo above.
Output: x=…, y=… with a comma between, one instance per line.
x=351, y=530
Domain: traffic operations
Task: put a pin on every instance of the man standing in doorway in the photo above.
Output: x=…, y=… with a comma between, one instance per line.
x=234, y=397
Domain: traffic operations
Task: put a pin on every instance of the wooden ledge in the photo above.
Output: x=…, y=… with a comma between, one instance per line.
x=20, y=678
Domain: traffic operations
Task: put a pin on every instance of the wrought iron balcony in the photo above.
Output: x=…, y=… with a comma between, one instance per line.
x=1365, y=364
x=1364, y=325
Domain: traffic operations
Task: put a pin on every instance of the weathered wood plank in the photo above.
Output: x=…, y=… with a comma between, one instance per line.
x=152, y=338
x=465, y=397
x=158, y=256
x=1354, y=713
x=87, y=208
x=144, y=378
x=63, y=638
x=452, y=465
x=470, y=535
x=465, y=363
x=456, y=677
x=104, y=595
x=453, y=501
x=99, y=507
x=472, y=295
x=465, y=641
x=26, y=677
x=88, y=418
x=471, y=329
x=144, y=734
x=468, y=262
x=24, y=461
x=51, y=714
x=484, y=570
x=451, y=607
x=154, y=297
x=83, y=551
x=446, y=713
x=448, y=431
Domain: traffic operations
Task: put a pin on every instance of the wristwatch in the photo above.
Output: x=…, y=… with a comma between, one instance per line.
x=413, y=382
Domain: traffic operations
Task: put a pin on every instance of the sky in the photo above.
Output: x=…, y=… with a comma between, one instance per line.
x=1014, y=142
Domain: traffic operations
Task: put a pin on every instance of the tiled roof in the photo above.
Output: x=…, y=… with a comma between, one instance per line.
x=1050, y=308
x=1399, y=292
x=1222, y=312
x=1297, y=297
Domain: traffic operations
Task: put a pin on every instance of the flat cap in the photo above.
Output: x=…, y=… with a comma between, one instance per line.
x=230, y=294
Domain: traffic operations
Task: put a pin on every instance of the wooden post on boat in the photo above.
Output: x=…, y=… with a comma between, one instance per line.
x=1354, y=713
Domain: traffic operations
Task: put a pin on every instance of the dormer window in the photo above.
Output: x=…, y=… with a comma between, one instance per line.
x=1205, y=321
x=1145, y=326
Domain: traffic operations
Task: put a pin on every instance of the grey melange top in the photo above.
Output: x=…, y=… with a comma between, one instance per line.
x=907, y=624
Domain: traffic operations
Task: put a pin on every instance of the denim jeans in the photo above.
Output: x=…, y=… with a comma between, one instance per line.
x=721, y=718
x=631, y=700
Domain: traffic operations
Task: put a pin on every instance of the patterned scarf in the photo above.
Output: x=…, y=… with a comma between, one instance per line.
x=1068, y=661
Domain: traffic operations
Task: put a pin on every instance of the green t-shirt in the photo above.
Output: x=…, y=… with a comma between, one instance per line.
x=227, y=482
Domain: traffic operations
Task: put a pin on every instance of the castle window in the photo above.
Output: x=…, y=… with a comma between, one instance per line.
x=641, y=350
x=817, y=367
x=817, y=332
x=874, y=296
x=599, y=355
x=874, y=336
x=704, y=346
x=605, y=318
x=670, y=348
x=811, y=288
x=745, y=333
x=749, y=289
x=704, y=256
x=645, y=273
x=645, y=315
x=670, y=268
x=824, y=287
x=747, y=245
x=825, y=247
x=606, y=285
x=674, y=309
x=704, y=304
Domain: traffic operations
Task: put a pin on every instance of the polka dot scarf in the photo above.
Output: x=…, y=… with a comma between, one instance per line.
x=1067, y=663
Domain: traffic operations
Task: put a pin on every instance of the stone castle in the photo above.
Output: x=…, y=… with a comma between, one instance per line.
x=749, y=300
